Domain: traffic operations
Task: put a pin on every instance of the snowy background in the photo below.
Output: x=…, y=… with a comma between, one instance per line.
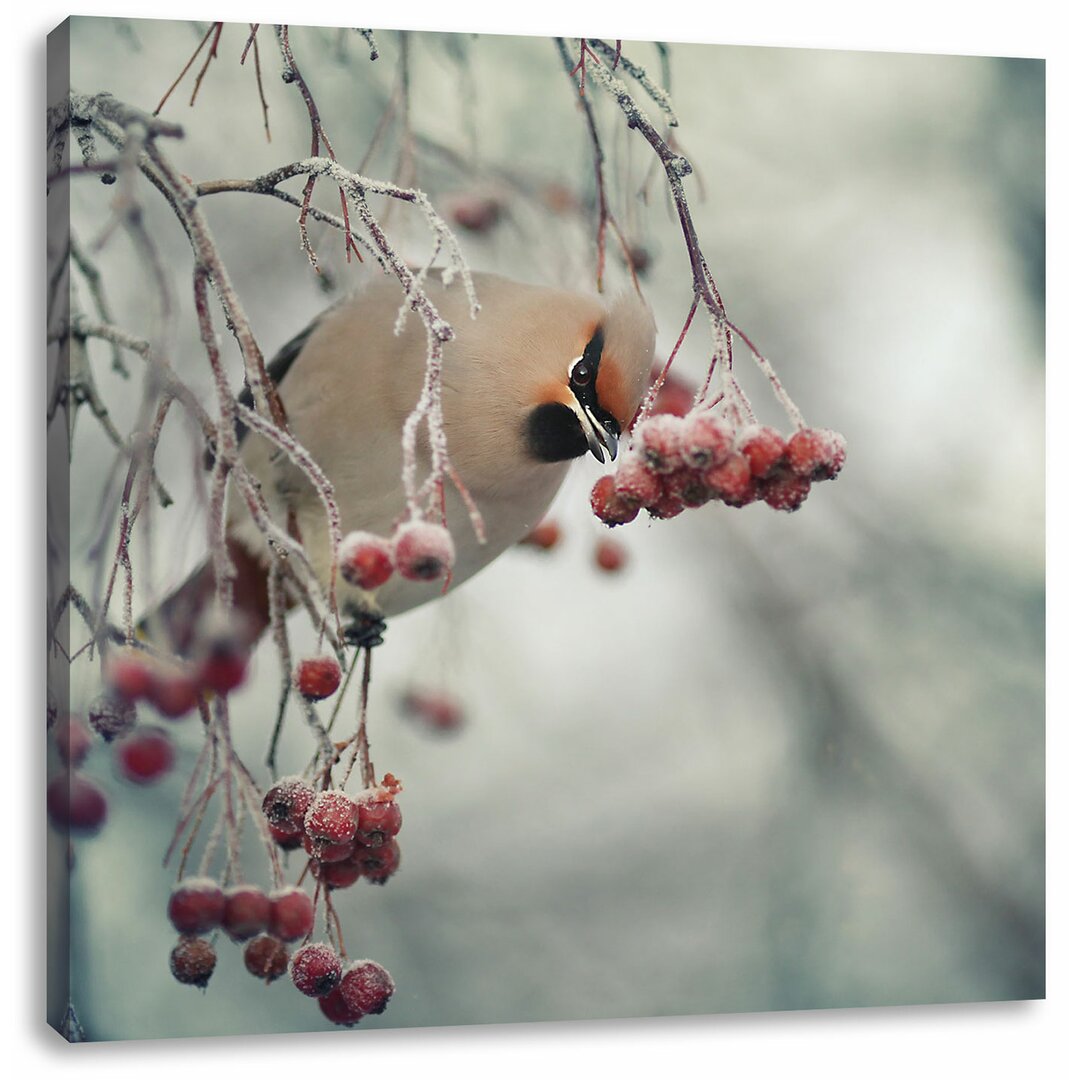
x=784, y=761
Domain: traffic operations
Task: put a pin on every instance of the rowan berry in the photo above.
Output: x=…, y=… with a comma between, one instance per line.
x=128, y=674
x=266, y=957
x=423, y=551
x=816, y=453
x=192, y=961
x=763, y=448
x=247, y=912
x=111, y=717
x=75, y=803
x=317, y=677
x=341, y=875
x=610, y=508
x=379, y=820
x=332, y=816
x=196, y=906
x=785, y=491
x=660, y=440
x=731, y=481
x=315, y=969
x=145, y=755
x=287, y=802
x=377, y=864
x=223, y=664
x=287, y=837
x=174, y=691
x=337, y=1010
x=366, y=987
x=365, y=560
x=292, y=914
x=476, y=213
x=325, y=851
x=437, y=711
x=544, y=536
x=610, y=556
x=706, y=439
x=636, y=482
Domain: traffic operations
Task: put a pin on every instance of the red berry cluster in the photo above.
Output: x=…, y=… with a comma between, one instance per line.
x=418, y=551
x=681, y=462
x=199, y=906
x=346, y=838
x=173, y=687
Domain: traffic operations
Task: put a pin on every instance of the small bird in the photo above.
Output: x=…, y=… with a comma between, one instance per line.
x=540, y=377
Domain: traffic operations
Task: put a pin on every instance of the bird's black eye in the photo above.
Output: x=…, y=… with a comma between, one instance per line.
x=581, y=374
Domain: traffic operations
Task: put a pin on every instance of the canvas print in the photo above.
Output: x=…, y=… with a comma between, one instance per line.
x=539, y=529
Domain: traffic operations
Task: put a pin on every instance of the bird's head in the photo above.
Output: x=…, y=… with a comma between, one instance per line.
x=590, y=385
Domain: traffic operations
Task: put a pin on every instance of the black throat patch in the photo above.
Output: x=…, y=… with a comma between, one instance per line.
x=553, y=433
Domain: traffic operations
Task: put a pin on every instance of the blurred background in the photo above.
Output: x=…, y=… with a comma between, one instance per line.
x=785, y=761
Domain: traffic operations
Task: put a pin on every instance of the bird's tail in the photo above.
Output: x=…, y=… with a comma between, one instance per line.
x=176, y=619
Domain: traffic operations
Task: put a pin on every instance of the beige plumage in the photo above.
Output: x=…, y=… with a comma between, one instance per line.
x=513, y=421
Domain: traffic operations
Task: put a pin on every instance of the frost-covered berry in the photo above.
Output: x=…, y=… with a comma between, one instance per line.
x=287, y=837
x=145, y=755
x=763, y=448
x=196, y=906
x=315, y=969
x=669, y=505
x=659, y=440
x=247, y=912
x=287, y=802
x=325, y=851
x=365, y=560
x=731, y=481
x=75, y=803
x=379, y=820
x=377, y=864
x=610, y=556
x=544, y=536
x=635, y=482
x=332, y=816
x=337, y=1010
x=610, y=508
x=366, y=987
x=266, y=958
x=111, y=717
x=192, y=961
x=174, y=691
x=785, y=491
x=423, y=551
x=317, y=677
x=291, y=914
x=706, y=439
x=689, y=487
x=73, y=741
x=816, y=453
x=340, y=875
x=128, y=674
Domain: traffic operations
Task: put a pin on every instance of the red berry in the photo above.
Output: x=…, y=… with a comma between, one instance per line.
x=317, y=677
x=610, y=508
x=325, y=851
x=731, y=481
x=196, y=906
x=287, y=837
x=785, y=491
x=476, y=213
x=291, y=914
x=763, y=448
x=75, y=803
x=423, y=551
x=688, y=486
x=266, y=958
x=544, y=536
x=636, y=482
x=247, y=912
x=337, y=1010
x=366, y=987
x=659, y=439
x=145, y=755
x=377, y=864
x=610, y=556
x=192, y=961
x=676, y=396
x=340, y=875
x=669, y=505
x=364, y=560
x=174, y=691
x=333, y=816
x=816, y=453
x=315, y=969
x=437, y=711
x=706, y=439
x=73, y=741
x=287, y=802
x=380, y=819
x=128, y=674
x=223, y=667
x=111, y=717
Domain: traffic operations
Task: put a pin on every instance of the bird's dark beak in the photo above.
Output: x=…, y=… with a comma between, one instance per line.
x=602, y=435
